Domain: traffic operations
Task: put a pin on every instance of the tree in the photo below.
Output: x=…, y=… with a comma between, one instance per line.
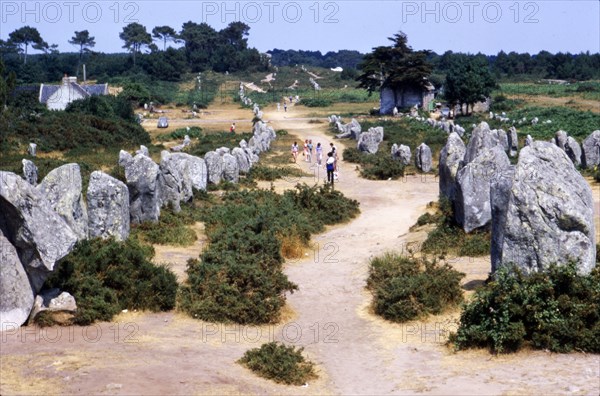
x=165, y=33
x=26, y=36
x=83, y=40
x=201, y=41
x=397, y=67
x=135, y=37
x=468, y=80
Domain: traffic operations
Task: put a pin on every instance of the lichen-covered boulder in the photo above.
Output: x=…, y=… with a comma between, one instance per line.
x=573, y=150
x=108, y=207
x=214, y=165
x=513, y=141
x=401, y=153
x=170, y=182
x=231, y=169
x=40, y=236
x=481, y=138
x=30, y=172
x=423, y=158
x=591, y=150
x=62, y=187
x=141, y=174
x=369, y=141
x=451, y=160
x=472, y=209
x=549, y=213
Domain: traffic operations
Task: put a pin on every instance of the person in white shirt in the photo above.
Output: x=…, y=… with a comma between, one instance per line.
x=330, y=166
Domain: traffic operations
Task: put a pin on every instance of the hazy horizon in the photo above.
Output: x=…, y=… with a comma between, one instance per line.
x=462, y=26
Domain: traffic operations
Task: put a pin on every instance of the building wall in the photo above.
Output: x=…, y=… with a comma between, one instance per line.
x=409, y=98
x=61, y=98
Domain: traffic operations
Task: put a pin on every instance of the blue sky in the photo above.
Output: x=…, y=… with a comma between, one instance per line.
x=460, y=26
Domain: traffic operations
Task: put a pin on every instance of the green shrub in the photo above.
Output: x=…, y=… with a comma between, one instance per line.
x=316, y=102
x=405, y=288
x=378, y=166
x=239, y=278
x=557, y=310
x=179, y=134
x=268, y=173
x=106, y=277
x=280, y=363
x=213, y=141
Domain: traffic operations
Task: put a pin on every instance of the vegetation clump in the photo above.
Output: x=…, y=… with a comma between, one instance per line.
x=106, y=276
x=239, y=278
x=280, y=363
x=171, y=229
x=405, y=288
x=557, y=310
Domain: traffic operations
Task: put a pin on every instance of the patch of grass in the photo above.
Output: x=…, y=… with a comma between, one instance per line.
x=557, y=310
x=280, y=363
x=171, y=229
x=106, y=277
x=179, y=134
x=267, y=173
x=316, y=102
x=406, y=288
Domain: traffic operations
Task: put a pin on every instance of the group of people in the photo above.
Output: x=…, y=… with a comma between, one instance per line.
x=330, y=163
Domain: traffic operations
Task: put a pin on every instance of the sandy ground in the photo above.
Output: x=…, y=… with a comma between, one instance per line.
x=356, y=352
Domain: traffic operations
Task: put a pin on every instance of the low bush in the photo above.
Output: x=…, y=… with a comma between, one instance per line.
x=280, y=363
x=213, y=141
x=557, y=310
x=106, y=277
x=405, y=288
x=316, y=102
x=239, y=277
x=268, y=173
x=179, y=134
x=378, y=166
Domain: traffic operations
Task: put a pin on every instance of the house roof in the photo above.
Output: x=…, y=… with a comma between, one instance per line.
x=46, y=91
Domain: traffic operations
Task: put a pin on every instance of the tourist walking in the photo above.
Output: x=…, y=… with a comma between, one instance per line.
x=335, y=155
x=295, y=151
x=285, y=107
x=232, y=127
x=305, y=152
x=319, y=151
x=330, y=166
x=310, y=150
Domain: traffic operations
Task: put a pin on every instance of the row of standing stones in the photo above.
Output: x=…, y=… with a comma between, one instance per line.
x=540, y=211
x=40, y=224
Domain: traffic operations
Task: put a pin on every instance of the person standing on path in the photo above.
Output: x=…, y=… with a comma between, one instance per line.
x=310, y=151
x=232, y=128
x=295, y=151
x=285, y=107
x=330, y=166
x=278, y=106
x=335, y=156
x=319, y=151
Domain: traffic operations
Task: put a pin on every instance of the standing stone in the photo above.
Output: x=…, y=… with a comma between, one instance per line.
x=513, y=141
x=16, y=295
x=141, y=174
x=124, y=159
x=369, y=141
x=186, y=165
x=401, y=153
x=503, y=139
x=482, y=138
x=62, y=187
x=170, y=182
x=231, y=169
x=560, y=139
x=473, y=209
x=196, y=171
x=143, y=150
x=30, y=172
x=214, y=164
x=550, y=213
x=499, y=194
x=528, y=140
x=591, y=150
x=40, y=236
x=108, y=207
x=423, y=158
x=573, y=150
x=451, y=160
x=242, y=159
x=32, y=149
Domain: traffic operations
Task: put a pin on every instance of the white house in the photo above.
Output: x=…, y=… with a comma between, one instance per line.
x=57, y=97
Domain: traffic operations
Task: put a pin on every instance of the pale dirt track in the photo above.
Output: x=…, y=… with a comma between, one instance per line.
x=357, y=353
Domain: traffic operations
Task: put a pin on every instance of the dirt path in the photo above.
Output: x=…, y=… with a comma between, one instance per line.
x=356, y=352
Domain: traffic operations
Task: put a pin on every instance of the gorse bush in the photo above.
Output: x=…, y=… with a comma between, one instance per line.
x=280, y=363
x=213, y=141
x=557, y=310
x=405, y=288
x=268, y=173
x=179, y=134
x=239, y=277
x=378, y=166
x=106, y=277
x=316, y=102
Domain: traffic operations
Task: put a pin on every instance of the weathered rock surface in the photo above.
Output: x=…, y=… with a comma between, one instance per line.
x=513, y=141
x=40, y=236
x=482, y=138
x=401, y=153
x=549, y=213
x=214, y=165
x=62, y=187
x=108, y=207
x=350, y=130
x=141, y=174
x=451, y=160
x=503, y=139
x=16, y=295
x=32, y=149
x=243, y=159
x=423, y=158
x=231, y=169
x=30, y=172
x=591, y=150
x=560, y=139
x=55, y=302
x=369, y=141
x=196, y=168
x=170, y=182
x=472, y=208
x=499, y=194
x=573, y=150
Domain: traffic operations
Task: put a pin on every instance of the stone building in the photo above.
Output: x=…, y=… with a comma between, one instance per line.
x=57, y=97
x=406, y=97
